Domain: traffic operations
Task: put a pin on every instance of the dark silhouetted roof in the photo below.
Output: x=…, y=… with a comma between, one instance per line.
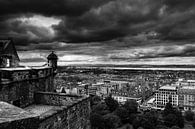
x=7, y=48
x=52, y=56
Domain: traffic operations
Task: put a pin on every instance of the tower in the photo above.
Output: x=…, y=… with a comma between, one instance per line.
x=52, y=60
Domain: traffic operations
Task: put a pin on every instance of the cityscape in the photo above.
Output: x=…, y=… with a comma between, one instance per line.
x=97, y=64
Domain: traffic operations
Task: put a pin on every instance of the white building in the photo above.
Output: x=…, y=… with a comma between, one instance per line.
x=165, y=94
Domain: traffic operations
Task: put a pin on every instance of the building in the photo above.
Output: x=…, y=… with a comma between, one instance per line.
x=166, y=94
x=8, y=54
x=122, y=96
x=187, y=98
x=28, y=99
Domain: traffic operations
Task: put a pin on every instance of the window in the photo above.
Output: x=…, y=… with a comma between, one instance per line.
x=7, y=62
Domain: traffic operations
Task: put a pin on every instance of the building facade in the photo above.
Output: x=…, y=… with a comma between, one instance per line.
x=187, y=98
x=166, y=94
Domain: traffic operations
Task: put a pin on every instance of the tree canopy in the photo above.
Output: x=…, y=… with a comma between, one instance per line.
x=111, y=103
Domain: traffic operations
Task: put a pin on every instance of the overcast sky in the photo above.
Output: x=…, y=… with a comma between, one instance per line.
x=101, y=31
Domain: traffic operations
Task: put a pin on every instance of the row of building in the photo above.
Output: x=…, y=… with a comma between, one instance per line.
x=181, y=94
x=118, y=89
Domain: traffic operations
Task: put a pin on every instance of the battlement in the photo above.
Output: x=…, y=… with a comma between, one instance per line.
x=9, y=75
x=19, y=84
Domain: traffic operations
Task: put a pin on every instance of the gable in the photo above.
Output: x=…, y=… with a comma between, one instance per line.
x=7, y=48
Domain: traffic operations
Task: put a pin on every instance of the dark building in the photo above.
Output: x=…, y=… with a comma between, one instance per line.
x=8, y=53
x=52, y=60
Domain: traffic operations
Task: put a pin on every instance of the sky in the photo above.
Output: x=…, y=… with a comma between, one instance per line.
x=156, y=32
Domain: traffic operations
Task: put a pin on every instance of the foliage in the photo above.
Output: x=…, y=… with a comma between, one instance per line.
x=100, y=108
x=180, y=119
x=97, y=121
x=172, y=117
x=136, y=123
x=152, y=117
x=147, y=121
x=168, y=109
x=111, y=121
x=95, y=100
x=111, y=103
x=131, y=106
x=123, y=114
x=161, y=127
x=193, y=123
x=170, y=120
x=189, y=115
x=175, y=127
x=132, y=117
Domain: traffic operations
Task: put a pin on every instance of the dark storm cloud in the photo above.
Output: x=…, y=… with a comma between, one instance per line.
x=105, y=21
x=112, y=20
x=23, y=33
x=179, y=5
x=48, y=7
x=178, y=22
x=187, y=50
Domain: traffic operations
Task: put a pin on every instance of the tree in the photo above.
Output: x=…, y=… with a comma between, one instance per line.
x=175, y=127
x=131, y=106
x=193, y=123
x=172, y=116
x=152, y=117
x=170, y=120
x=180, y=119
x=111, y=121
x=168, y=109
x=147, y=121
x=95, y=100
x=100, y=108
x=136, y=123
x=132, y=117
x=97, y=121
x=111, y=103
x=123, y=114
x=161, y=127
x=189, y=115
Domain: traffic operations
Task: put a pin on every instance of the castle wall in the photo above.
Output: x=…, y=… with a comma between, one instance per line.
x=74, y=115
x=55, y=99
x=27, y=123
x=13, y=117
x=18, y=86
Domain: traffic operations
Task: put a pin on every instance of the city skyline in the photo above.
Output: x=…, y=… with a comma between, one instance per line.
x=101, y=31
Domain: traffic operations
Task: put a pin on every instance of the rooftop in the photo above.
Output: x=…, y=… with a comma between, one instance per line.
x=168, y=87
x=192, y=81
x=188, y=87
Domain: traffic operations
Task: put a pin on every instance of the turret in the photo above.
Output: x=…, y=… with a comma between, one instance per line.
x=52, y=60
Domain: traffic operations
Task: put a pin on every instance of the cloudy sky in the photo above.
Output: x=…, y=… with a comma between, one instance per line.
x=101, y=31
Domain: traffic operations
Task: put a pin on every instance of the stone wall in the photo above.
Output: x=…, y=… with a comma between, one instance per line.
x=12, y=117
x=74, y=115
x=56, y=99
x=30, y=123
x=18, y=86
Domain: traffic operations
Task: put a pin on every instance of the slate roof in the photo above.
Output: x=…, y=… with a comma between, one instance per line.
x=7, y=48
